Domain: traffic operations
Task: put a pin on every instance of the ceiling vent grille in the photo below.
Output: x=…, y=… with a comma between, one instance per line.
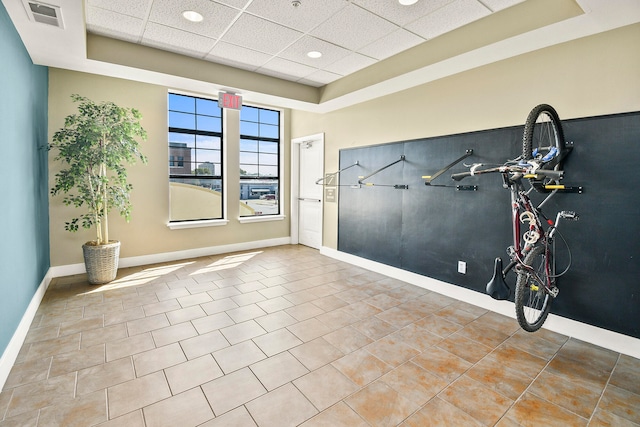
x=44, y=13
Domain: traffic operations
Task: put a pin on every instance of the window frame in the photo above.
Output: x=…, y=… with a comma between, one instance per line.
x=222, y=177
x=280, y=156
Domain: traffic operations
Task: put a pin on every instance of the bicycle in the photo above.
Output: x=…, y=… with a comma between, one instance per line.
x=533, y=252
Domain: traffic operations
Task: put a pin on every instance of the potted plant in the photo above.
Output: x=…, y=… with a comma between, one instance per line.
x=94, y=145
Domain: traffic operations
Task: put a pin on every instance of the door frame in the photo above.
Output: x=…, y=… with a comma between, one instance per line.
x=295, y=183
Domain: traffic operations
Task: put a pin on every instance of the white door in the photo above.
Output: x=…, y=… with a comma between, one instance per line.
x=310, y=193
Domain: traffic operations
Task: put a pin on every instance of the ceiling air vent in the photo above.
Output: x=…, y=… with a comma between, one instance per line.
x=44, y=13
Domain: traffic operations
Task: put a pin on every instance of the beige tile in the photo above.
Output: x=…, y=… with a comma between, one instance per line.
x=438, y=413
x=161, y=307
x=238, y=417
x=276, y=342
x=339, y=415
x=129, y=346
x=85, y=324
x=31, y=371
x=274, y=304
x=316, y=353
x=267, y=410
x=248, y=298
x=304, y=311
x=212, y=322
x=203, y=344
x=477, y=400
x=414, y=383
x=193, y=373
x=191, y=300
x=185, y=314
x=607, y=419
x=219, y=306
x=158, y=359
x=534, y=344
x=238, y=356
x=347, y=339
x=441, y=363
x=27, y=419
x=85, y=410
x=325, y=387
x=508, y=382
x=361, y=367
x=103, y=335
x=399, y=317
x=374, y=328
x=380, y=405
x=567, y=394
x=417, y=337
x=244, y=313
x=244, y=384
x=115, y=317
x=382, y=301
x=309, y=329
x=438, y=325
x=622, y=403
x=137, y=394
x=518, y=360
x=274, y=321
x=188, y=409
x=278, y=370
x=132, y=419
x=464, y=348
x=61, y=345
x=38, y=395
x=336, y=319
x=242, y=332
x=76, y=360
x=531, y=410
x=391, y=350
x=103, y=376
x=175, y=333
x=626, y=374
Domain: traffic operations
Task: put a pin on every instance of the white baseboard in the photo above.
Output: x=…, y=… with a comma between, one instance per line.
x=10, y=353
x=71, y=269
x=582, y=331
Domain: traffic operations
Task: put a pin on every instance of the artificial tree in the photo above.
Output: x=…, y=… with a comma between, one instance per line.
x=95, y=145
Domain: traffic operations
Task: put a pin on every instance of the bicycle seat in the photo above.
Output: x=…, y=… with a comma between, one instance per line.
x=497, y=288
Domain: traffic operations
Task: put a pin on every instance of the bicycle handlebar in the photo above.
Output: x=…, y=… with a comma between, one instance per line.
x=510, y=169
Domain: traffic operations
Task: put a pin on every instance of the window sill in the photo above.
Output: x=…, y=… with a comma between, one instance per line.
x=262, y=218
x=179, y=225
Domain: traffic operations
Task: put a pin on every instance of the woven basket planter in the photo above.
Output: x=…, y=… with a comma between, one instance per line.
x=101, y=261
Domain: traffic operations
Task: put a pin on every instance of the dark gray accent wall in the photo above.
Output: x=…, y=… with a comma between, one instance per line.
x=427, y=230
x=24, y=217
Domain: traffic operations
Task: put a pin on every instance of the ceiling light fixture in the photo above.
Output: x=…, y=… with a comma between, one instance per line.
x=192, y=16
x=314, y=54
x=407, y=2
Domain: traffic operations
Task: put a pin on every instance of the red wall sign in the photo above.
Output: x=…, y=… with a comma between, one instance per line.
x=229, y=100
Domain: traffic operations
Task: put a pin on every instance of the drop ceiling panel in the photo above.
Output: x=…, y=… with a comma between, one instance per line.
x=112, y=24
x=350, y=64
x=309, y=13
x=259, y=34
x=401, y=15
x=175, y=40
x=136, y=8
x=237, y=56
x=279, y=66
x=298, y=52
x=496, y=5
x=217, y=17
x=320, y=78
x=346, y=28
x=391, y=44
x=448, y=18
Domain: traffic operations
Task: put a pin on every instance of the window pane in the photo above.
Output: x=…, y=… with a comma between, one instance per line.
x=268, y=131
x=248, y=170
x=182, y=120
x=211, y=124
x=260, y=197
x=208, y=107
x=268, y=147
x=181, y=140
x=206, y=141
x=208, y=168
x=249, y=129
x=248, y=157
x=268, y=159
x=208, y=156
x=181, y=103
x=195, y=198
x=249, y=114
x=248, y=145
x=270, y=117
x=268, y=171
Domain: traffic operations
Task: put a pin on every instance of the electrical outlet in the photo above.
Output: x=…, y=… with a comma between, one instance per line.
x=462, y=267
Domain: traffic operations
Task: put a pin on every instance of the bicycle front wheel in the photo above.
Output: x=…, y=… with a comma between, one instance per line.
x=532, y=301
x=543, y=140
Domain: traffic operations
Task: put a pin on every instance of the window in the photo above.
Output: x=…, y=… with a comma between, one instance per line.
x=259, y=161
x=195, y=158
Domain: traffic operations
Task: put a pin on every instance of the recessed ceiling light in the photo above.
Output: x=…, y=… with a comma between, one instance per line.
x=192, y=16
x=407, y=2
x=314, y=54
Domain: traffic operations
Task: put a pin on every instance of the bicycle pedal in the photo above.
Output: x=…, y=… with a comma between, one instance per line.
x=569, y=215
x=554, y=291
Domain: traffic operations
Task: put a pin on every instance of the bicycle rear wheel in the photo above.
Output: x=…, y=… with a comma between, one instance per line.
x=542, y=137
x=531, y=299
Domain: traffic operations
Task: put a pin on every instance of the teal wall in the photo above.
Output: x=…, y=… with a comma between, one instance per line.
x=24, y=217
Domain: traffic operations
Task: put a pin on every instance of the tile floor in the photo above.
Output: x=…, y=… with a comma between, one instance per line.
x=284, y=337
